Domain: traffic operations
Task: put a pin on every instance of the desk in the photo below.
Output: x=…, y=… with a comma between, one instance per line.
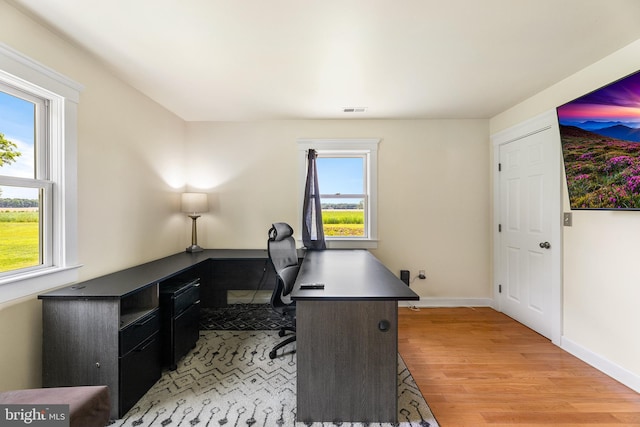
x=107, y=330
x=220, y=270
x=347, y=338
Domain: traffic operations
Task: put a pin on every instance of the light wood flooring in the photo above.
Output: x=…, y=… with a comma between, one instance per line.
x=477, y=367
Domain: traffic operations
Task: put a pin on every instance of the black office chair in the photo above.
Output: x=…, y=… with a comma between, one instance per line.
x=284, y=258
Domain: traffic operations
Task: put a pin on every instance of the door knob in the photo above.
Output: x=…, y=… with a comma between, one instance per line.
x=545, y=245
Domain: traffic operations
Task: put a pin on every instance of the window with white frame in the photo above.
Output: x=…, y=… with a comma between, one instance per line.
x=347, y=179
x=38, y=114
x=25, y=185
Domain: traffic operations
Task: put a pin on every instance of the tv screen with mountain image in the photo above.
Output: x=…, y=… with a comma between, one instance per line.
x=600, y=134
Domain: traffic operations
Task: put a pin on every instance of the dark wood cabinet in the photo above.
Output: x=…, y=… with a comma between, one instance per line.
x=139, y=369
x=109, y=330
x=179, y=310
x=100, y=340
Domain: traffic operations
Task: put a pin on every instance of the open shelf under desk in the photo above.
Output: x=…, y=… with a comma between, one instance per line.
x=132, y=316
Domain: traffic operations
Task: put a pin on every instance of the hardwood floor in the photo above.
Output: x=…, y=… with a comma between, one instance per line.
x=476, y=367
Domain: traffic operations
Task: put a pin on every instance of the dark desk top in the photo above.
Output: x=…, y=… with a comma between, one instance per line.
x=348, y=275
x=123, y=282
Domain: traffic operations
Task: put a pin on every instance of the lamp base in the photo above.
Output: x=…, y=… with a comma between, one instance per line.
x=194, y=248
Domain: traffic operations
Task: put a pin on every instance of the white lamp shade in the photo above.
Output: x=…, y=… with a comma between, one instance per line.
x=194, y=202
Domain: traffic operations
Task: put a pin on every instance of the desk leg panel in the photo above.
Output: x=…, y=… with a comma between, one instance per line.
x=80, y=344
x=347, y=366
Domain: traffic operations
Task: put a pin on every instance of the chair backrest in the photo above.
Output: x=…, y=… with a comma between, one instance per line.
x=283, y=255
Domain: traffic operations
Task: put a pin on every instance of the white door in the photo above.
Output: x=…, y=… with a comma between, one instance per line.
x=529, y=203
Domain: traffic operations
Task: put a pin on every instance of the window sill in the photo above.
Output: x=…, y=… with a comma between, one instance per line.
x=34, y=282
x=351, y=243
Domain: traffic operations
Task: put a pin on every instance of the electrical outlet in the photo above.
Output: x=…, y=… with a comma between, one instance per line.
x=421, y=275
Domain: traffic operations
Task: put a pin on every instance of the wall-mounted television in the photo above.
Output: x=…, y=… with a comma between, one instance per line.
x=600, y=135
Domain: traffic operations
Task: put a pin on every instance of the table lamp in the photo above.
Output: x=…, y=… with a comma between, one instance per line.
x=194, y=204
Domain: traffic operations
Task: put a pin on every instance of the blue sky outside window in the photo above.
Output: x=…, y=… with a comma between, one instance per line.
x=343, y=175
x=17, y=123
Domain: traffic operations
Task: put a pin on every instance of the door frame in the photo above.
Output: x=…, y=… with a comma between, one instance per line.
x=543, y=122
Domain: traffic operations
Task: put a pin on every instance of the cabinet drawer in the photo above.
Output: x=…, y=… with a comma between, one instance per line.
x=139, y=370
x=138, y=331
x=185, y=298
x=186, y=331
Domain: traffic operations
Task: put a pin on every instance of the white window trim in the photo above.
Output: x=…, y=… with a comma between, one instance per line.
x=64, y=94
x=369, y=146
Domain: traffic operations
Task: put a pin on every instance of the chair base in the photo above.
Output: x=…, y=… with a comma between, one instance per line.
x=273, y=353
x=283, y=331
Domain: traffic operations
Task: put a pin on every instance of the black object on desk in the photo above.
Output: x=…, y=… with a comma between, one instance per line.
x=312, y=286
x=347, y=347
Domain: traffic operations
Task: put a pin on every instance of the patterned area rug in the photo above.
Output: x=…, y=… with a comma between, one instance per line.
x=229, y=380
x=241, y=317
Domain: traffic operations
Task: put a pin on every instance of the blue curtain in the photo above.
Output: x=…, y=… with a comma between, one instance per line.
x=312, y=231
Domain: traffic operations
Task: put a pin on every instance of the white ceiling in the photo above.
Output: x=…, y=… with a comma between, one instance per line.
x=291, y=59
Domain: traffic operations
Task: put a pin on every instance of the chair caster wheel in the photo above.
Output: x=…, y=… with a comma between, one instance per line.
x=272, y=354
x=281, y=333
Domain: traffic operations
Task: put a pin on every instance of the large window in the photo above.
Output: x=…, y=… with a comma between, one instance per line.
x=38, y=114
x=347, y=182
x=342, y=179
x=25, y=187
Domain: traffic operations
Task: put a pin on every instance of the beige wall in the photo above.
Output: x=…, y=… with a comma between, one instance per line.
x=130, y=155
x=433, y=204
x=433, y=188
x=21, y=349
x=434, y=198
x=601, y=275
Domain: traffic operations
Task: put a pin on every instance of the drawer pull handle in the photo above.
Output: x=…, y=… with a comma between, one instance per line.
x=144, y=347
x=147, y=320
x=384, y=325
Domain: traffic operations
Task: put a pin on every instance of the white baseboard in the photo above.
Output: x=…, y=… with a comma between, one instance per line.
x=448, y=302
x=616, y=372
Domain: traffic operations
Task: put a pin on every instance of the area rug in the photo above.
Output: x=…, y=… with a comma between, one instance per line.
x=229, y=380
x=242, y=317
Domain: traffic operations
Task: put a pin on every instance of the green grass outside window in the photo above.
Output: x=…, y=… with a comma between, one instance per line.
x=19, y=240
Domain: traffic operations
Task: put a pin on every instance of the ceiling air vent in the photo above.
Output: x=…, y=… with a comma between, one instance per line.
x=354, y=109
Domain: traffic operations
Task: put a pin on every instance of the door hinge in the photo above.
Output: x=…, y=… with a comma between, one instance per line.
x=499, y=289
x=499, y=167
x=499, y=228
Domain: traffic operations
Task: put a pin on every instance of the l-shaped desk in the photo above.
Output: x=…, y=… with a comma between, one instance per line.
x=347, y=337
x=106, y=330
x=346, y=333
